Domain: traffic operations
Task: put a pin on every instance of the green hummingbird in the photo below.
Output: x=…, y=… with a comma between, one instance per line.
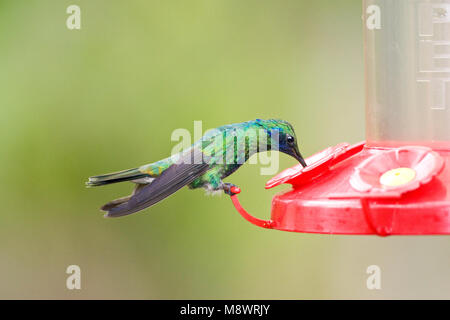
x=218, y=154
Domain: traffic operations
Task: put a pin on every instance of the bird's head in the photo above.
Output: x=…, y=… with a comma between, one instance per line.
x=287, y=140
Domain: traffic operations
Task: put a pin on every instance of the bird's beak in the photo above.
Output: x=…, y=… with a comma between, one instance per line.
x=299, y=157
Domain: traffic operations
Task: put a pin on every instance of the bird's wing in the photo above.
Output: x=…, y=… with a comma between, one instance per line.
x=171, y=180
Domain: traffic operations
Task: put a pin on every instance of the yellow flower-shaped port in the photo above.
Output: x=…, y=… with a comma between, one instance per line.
x=396, y=171
x=397, y=177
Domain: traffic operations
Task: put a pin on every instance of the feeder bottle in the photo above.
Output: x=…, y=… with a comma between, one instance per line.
x=407, y=62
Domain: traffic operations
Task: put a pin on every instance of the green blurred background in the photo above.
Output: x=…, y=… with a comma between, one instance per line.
x=75, y=103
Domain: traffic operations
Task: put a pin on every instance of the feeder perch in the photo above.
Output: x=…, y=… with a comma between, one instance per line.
x=397, y=182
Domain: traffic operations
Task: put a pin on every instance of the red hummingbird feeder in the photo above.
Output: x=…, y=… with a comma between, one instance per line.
x=398, y=181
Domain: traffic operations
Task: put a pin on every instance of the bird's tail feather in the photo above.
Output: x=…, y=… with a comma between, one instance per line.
x=115, y=203
x=126, y=175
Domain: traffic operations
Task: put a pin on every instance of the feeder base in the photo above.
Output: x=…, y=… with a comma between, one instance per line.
x=313, y=206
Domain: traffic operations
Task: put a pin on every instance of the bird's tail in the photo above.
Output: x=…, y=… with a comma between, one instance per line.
x=126, y=175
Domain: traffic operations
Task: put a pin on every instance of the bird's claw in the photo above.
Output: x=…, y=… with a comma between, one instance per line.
x=231, y=189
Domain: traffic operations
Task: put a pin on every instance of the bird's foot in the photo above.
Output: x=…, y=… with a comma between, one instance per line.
x=231, y=189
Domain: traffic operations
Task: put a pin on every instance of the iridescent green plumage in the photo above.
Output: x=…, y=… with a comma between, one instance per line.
x=218, y=154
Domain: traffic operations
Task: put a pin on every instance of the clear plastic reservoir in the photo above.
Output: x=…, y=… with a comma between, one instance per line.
x=407, y=61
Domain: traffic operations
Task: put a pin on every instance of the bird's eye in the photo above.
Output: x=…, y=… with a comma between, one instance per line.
x=290, y=139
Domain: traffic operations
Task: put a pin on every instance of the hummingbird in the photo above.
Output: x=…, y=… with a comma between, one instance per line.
x=218, y=154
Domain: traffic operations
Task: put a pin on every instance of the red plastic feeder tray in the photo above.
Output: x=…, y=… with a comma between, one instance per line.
x=398, y=183
x=360, y=190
